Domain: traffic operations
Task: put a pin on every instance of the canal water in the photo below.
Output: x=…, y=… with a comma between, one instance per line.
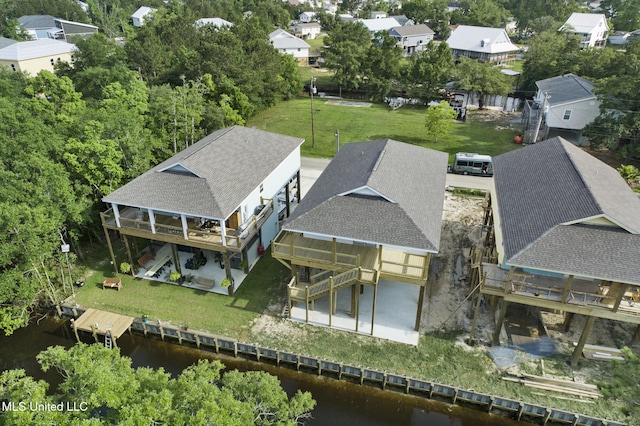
x=338, y=402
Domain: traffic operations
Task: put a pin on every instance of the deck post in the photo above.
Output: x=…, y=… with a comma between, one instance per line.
x=416, y=326
x=577, y=352
x=353, y=301
x=334, y=248
x=306, y=305
x=288, y=199
x=298, y=192
x=567, y=289
x=176, y=257
x=330, y=299
x=568, y=316
x=622, y=290
x=75, y=329
x=357, y=303
x=496, y=332
x=373, y=308
x=113, y=256
x=475, y=317
x=128, y=249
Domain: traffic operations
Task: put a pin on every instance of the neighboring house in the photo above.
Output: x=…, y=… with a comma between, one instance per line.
x=566, y=105
x=592, y=28
x=345, y=17
x=369, y=220
x=290, y=45
x=382, y=24
x=4, y=42
x=216, y=22
x=35, y=55
x=634, y=35
x=378, y=14
x=306, y=17
x=216, y=202
x=47, y=26
x=482, y=43
x=412, y=38
x=141, y=14
x=310, y=30
x=566, y=226
x=403, y=20
x=619, y=38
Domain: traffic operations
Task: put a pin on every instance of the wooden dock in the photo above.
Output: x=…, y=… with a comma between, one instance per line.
x=101, y=323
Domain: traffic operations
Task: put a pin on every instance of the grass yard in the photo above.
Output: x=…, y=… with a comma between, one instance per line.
x=201, y=310
x=357, y=124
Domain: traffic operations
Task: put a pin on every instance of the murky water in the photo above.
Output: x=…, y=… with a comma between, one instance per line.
x=339, y=403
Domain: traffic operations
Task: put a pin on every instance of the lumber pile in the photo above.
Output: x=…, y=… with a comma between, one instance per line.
x=602, y=353
x=566, y=386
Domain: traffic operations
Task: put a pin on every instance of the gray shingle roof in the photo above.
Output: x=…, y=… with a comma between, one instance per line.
x=410, y=30
x=408, y=212
x=566, y=88
x=554, y=184
x=31, y=22
x=226, y=167
x=614, y=258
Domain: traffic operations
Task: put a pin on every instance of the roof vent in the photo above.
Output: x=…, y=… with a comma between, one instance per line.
x=484, y=42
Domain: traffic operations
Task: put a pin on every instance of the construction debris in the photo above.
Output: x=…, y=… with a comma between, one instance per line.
x=567, y=386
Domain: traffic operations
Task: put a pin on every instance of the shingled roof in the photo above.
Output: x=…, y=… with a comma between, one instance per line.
x=212, y=177
x=383, y=192
x=566, y=88
x=552, y=194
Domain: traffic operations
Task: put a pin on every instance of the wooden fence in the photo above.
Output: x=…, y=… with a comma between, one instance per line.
x=488, y=402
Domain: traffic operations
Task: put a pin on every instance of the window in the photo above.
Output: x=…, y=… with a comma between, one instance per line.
x=13, y=67
x=462, y=163
x=477, y=164
x=567, y=114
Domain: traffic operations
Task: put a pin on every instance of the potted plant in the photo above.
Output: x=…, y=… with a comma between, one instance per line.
x=175, y=276
x=125, y=268
x=145, y=318
x=243, y=265
x=228, y=284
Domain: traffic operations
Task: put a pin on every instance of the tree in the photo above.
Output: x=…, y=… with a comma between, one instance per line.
x=485, y=13
x=112, y=391
x=13, y=30
x=430, y=70
x=346, y=52
x=439, y=120
x=550, y=54
x=383, y=65
x=482, y=78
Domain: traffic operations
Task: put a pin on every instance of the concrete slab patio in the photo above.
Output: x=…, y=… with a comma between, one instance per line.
x=395, y=312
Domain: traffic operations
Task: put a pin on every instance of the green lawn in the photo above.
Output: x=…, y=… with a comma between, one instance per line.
x=357, y=124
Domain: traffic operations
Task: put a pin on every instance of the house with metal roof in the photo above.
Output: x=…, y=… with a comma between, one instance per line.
x=412, y=38
x=562, y=106
x=217, y=202
x=379, y=24
x=482, y=43
x=216, y=22
x=289, y=44
x=592, y=28
x=373, y=217
x=566, y=227
x=141, y=14
x=49, y=27
x=35, y=55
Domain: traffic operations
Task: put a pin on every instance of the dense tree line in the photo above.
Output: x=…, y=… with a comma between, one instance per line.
x=69, y=138
x=100, y=386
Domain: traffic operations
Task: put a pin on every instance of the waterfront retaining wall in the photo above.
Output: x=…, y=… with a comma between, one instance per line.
x=432, y=389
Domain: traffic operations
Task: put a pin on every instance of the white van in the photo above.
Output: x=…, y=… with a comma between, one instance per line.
x=466, y=163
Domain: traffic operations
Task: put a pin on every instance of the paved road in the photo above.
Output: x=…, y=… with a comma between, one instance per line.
x=311, y=168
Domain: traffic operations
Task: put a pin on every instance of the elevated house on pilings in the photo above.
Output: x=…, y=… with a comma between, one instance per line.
x=373, y=217
x=564, y=228
x=220, y=199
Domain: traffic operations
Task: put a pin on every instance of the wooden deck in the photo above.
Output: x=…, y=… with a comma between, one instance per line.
x=99, y=322
x=320, y=253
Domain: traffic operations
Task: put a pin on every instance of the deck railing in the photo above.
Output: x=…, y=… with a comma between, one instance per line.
x=214, y=237
x=287, y=250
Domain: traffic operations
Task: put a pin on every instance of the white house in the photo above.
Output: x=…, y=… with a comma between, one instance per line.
x=290, y=45
x=310, y=30
x=619, y=38
x=35, y=55
x=381, y=24
x=140, y=15
x=592, y=28
x=216, y=22
x=307, y=17
x=482, y=43
x=412, y=38
x=567, y=104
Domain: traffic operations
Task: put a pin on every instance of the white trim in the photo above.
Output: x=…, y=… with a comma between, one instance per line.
x=367, y=187
x=152, y=220
x=172, y=165
x=116, y=213
x=185, y=227
x=604, y=216
x=575, y=275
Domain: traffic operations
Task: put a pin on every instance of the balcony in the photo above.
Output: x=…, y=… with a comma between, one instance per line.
x=392, y=265
x=170, y=229
x=588, y=297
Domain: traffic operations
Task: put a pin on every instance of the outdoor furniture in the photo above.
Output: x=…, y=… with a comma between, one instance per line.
x=112, y=283
x=144, y=260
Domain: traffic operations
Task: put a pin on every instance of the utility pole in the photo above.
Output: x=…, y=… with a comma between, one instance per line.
x=312, y=89
x=542, y=108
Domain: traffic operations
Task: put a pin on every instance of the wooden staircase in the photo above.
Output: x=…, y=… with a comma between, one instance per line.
x=333, y=283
